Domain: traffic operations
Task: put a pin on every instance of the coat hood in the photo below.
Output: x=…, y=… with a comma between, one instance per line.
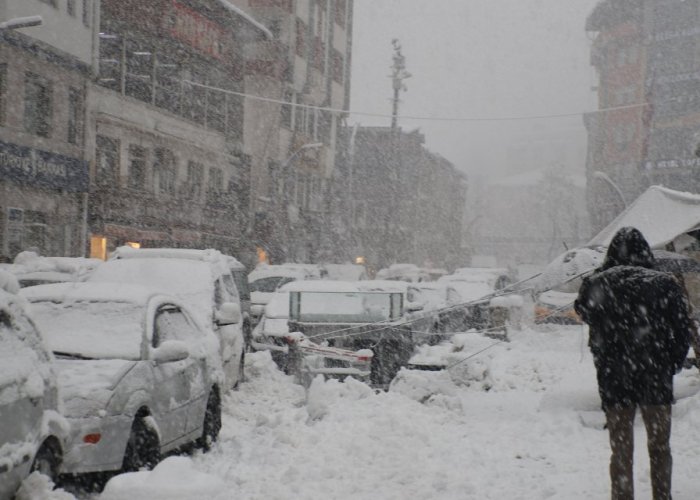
x=628, y=248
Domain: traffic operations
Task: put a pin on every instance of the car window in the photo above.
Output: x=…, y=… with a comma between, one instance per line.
x=240, y=277
x=230, y=287
x=172, y=324
x=269, y=285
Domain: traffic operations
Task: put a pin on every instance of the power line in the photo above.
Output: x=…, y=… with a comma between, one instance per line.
x=417, y=117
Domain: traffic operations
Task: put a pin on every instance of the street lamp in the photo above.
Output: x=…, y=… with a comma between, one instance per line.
x=21, y=22
x=602, y=176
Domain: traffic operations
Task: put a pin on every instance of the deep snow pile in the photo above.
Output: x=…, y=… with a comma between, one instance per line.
x=518, y=421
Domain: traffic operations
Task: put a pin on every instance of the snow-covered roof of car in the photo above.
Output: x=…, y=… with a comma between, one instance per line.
x=209, y=255
x=470, y=291
x=383, y=286
x=8, y=283
x=93, y=292
x=266, y=271
x=320, y=286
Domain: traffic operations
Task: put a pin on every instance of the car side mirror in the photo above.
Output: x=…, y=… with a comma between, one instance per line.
x=228, y=314
x=171, y=351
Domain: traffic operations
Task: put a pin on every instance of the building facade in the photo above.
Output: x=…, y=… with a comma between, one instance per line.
x=44, y=79
x=166, y=119
x=293, y=147
x=401, y=202
x=647, y=130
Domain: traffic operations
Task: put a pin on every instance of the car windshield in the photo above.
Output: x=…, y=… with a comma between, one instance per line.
x=95, y=330
x=270, y=284
x=344, y=307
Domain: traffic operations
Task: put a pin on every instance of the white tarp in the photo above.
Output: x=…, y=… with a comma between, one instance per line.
x=661, y=214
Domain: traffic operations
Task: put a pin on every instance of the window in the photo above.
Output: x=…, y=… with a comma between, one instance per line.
x=52, y=3
x=86, y=12
x=106, y=160
x=70, y=7
x=139, y=71
x=167, y=83
x=75, y=106
x=172, y=324
x=287, y=110
x=195, y=179
x=301, y=38
x=340, y=8
x=338, y=68
x=216, y=110
x=38, y=109
x=164, y=168
x=216, y=180
x=137, y=167
x=3, y=93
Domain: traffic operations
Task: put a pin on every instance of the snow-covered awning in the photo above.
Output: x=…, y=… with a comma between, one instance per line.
x=240, y=12
x=661, y=214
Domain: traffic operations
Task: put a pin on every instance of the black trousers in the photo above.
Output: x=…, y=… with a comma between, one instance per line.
x=657, y=420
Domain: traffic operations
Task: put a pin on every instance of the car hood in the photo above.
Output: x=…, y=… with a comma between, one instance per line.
x=556, y=299
x=87, y=385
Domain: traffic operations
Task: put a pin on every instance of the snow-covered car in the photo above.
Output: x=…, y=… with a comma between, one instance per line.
x=31, y=269
x=138, y=375
x=200, y=279
x=556, y=288
x=264, y=280
x=467, y=306
x=497, y=277
x=345, y=272
x=32, y=431
x=404, y=272
x=272, y=328
x=348, y=317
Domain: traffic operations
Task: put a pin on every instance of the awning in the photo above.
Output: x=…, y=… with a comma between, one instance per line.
x=661, y=214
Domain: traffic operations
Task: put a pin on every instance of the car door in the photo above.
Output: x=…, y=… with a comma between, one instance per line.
x=172, y=393
x=231, y=336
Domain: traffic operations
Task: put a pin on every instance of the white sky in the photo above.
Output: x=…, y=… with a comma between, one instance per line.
x=476, y=58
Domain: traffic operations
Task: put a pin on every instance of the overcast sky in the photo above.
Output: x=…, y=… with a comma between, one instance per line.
x=476, y=58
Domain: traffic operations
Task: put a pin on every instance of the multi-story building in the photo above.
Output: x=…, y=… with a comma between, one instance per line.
x=402, y=203
x=44, y=75
x=166, y=126
x=293, y=147
x=647, y=130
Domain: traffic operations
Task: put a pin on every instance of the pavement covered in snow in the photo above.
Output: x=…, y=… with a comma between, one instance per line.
x=521, y=420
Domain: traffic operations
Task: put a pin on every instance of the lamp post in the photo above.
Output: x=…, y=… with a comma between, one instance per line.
x=21, y=22
x=284, y=174
x=606, y=178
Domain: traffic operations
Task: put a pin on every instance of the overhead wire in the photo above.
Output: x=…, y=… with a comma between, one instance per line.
x=418, y=117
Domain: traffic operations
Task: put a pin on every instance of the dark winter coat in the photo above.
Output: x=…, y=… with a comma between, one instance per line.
x=639, y=324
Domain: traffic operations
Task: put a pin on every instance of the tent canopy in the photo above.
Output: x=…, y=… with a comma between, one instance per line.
x=661, y=214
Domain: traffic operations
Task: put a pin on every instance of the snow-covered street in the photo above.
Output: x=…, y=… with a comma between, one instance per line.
x=535, y=433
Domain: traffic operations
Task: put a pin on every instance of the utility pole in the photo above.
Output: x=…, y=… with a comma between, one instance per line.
x=398, y=75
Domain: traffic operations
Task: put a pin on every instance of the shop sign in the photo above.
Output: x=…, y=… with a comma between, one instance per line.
x=196, y=31
x=666, y=164
x=42, y=169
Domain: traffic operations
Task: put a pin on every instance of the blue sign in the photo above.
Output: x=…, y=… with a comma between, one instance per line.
x=42, y=169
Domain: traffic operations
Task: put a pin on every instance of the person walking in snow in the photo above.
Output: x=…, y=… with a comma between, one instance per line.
x=639, y=336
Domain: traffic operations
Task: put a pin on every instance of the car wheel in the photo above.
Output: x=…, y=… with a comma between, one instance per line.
x=47, y=460
x=212, y=421
x=143, y=447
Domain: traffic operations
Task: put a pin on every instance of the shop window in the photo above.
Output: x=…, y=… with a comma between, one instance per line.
x=38, y=108
x=106, y=160
x=195, y=179
x=216, y=180
x=75, y=107
x=137, y=167
x=98, y=247
x=3, y=93
x=164, y=168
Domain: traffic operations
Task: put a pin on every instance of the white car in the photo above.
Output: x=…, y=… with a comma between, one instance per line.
x=264, y=280
x=138, y=376
x=32, y=432
x=200, y=279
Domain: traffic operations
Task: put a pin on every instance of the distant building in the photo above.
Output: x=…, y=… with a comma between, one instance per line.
x=44, y=75
x=167, y=126
x=402, y=203
x=647, y=129
x=293, y=148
